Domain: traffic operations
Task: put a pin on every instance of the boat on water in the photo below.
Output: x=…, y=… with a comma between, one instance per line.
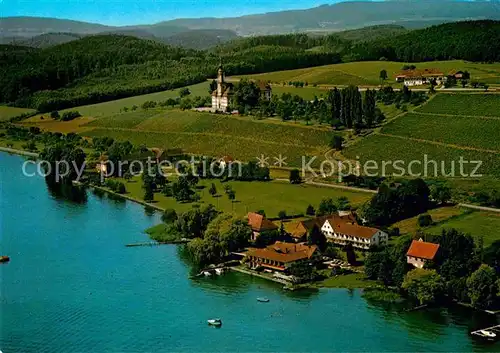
x=263, y=300
x=4, y=259
x=488, y=334
x=215, y=322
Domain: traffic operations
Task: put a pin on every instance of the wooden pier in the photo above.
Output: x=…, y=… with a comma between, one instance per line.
x=495, y=330
x=157, y=243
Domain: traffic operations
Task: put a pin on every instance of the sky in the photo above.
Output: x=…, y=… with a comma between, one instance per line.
x=131, y=12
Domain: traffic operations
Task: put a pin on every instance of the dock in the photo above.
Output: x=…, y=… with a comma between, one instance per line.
x=157, y=243
x=493, y=329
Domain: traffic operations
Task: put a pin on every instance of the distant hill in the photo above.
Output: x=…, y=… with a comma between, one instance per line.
x=46, y=40
x=349, y=15
x=200, y=38
x=372, y=33
x=325, y=18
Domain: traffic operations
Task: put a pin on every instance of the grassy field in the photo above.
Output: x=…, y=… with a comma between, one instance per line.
x=9, y=112
x=380, y=148
x=350, y=281
x=475, y=223
x=367, y=73
x=115, y=107
x=478, y=104
x=439, y=215
x=304, y=92
x=458, y=130
x=253, y=196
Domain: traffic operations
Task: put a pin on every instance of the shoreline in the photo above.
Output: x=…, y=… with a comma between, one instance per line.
x=19, y=152
x=130, y=198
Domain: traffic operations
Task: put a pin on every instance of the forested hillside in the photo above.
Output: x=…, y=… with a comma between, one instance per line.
x=105, y=67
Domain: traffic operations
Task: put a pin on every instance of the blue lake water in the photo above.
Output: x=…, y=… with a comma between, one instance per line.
x=72, y=286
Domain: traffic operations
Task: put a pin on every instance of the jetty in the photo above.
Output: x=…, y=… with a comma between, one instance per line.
x=157, y=243
x=494, y=333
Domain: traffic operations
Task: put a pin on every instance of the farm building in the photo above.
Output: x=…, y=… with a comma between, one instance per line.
x=266, y=91
x=420, y=77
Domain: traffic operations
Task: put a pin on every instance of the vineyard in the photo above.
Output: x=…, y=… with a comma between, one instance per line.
x=464, y=104
x=457, y=130
x=380, y=148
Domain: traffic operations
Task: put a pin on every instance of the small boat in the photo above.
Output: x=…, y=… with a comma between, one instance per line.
x=206, y=274
x=263, y=300
x=219, y=271
x=4, y=259
x=215, y=322
x=488, y=334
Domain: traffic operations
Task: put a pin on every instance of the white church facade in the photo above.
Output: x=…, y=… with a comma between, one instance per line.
x=221, y=97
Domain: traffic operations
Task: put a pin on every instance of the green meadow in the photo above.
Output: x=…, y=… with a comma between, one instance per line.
x=367, y=73
x=478, y=104
x=9, y=112
x=272, y=197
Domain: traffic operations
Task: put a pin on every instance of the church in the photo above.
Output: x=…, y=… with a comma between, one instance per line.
x=221, y=97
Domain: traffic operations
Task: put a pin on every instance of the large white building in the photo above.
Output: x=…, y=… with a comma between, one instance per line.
x=221, y=97
x=343, y=233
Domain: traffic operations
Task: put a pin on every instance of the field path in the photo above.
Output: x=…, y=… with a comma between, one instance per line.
x=439, y=143
x=480, y=208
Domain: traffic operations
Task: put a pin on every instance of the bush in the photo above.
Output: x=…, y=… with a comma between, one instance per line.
x=148, y=105
x=67, y=116
x=424, y=220
x=54, y=115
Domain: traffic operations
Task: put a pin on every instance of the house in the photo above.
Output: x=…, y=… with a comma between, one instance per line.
x=341, y=231
x=224, y=161
x=457, y=74
x=266, y=91
x=221, y=97
x=259, y=224
x=421, y=252
x=421, y=77
x=280, y=256
x=102, y=165
x=303, y=228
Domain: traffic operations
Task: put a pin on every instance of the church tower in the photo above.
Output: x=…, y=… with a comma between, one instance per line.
x=220, y=80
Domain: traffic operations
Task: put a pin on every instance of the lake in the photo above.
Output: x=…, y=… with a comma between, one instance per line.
x=72, y=286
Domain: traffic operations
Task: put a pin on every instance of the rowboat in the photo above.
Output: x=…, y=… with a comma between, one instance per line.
x=215, y=322
x=263, y=300
x=4, y=259
x=488, y=334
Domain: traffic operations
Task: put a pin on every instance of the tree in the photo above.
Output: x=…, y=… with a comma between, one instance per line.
x=282, y=214
x=213, y=190
x=327, y=206
x=343, y=203
x=184, y=92
x=337, y=142
x=295, y=176
x=169, y=216
x=440, y=193
x=310, y=210
x=54, y=115
x=423, y=285
x=350, y=254
x=424, y=220
x=148, y=194
x=316, y=237
x=481, y=286
x=383, y=75
x=369, y=105
x=231, y=195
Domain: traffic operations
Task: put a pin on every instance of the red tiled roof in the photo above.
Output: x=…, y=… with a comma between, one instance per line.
x=423, y=250
x=284, y=252
x=263, y=85
x=304, y=227
x=260, y=223
x=354, y=230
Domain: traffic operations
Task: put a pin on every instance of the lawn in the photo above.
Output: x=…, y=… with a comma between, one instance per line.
x=477, y=224
x=480, y=133
x=116, y=106
x=125, y=120
x=367, y=73
x=350, y=281
x=253, y=196
x=377, y=148
x=304, y=92
x=9, y=112
x=478, y=104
